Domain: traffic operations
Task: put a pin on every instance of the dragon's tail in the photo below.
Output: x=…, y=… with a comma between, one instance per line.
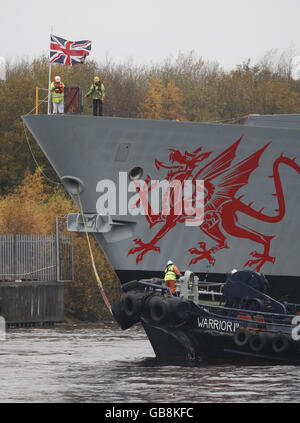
x=247, y=209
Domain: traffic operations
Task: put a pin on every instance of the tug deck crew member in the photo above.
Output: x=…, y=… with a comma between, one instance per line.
x=170, y=275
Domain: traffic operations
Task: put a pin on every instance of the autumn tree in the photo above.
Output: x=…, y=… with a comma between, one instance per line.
x=276, y=97
x=162, y=102
x=30, y=208
x=152, y=106
x=172, y=108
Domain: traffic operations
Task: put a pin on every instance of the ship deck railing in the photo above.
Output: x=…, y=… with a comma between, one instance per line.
x=260, y=317
x=190, y=291
x=186, y=290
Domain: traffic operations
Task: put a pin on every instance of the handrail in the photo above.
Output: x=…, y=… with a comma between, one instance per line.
x=208, y=284
x=251, y=312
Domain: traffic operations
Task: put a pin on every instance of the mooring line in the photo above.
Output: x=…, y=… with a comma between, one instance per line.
x=35, y=160
x=99, y=283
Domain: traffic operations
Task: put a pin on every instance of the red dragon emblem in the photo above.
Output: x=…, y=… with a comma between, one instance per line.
x=223, y=179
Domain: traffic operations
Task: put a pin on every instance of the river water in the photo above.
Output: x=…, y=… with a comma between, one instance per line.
x=92, y=363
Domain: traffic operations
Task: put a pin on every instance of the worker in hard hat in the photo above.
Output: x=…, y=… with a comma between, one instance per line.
x=170, y=276
x=57, y=89
x=97, y=91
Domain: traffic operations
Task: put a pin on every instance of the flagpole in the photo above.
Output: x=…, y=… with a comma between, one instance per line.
x=50, y=69
x=49, y=94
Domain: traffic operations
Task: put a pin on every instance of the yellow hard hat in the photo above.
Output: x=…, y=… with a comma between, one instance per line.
x=96, y=79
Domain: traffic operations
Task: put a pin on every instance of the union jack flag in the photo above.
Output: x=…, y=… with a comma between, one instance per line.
x=68, y=52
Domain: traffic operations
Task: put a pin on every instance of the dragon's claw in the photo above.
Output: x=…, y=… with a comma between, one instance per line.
x=262, y=259
x=255, y=254
x=142, y=249
x=194, y=251
x=203, y=254
x=139, y=258
x=139, y=242
x=195, y=260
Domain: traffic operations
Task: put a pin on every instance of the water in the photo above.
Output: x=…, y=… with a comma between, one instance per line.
x=103, y=364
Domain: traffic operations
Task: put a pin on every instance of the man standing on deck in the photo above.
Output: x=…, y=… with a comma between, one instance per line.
x=57, y=89
x=170, y=275
x=97, y=90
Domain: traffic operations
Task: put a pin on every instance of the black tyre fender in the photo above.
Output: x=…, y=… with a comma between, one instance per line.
x=132, y=305
x=146, y=307
x=281, y=343
x=118, y=313
x=159, y=310
x=241, y=337
x=258, y=342
x=130, y=286
x=180, y=309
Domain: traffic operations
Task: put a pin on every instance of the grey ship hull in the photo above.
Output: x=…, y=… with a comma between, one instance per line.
x=241, y=169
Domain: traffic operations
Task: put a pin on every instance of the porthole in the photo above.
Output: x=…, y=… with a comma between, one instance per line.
x=135, y=173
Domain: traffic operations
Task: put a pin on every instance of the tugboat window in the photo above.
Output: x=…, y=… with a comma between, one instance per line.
x=135, y=173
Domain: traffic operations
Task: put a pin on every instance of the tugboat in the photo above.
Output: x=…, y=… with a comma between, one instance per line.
x=213, y=322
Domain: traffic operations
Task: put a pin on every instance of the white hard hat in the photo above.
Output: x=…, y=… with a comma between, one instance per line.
x=170, y=262
x=233, y=271
x=57, y=79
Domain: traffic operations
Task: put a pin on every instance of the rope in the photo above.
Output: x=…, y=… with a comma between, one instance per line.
x=35, y=160
x=99, y=283
x=40, y=102
x=28, y=143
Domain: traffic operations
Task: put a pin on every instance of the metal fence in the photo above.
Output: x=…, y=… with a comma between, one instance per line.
x=41, y=257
